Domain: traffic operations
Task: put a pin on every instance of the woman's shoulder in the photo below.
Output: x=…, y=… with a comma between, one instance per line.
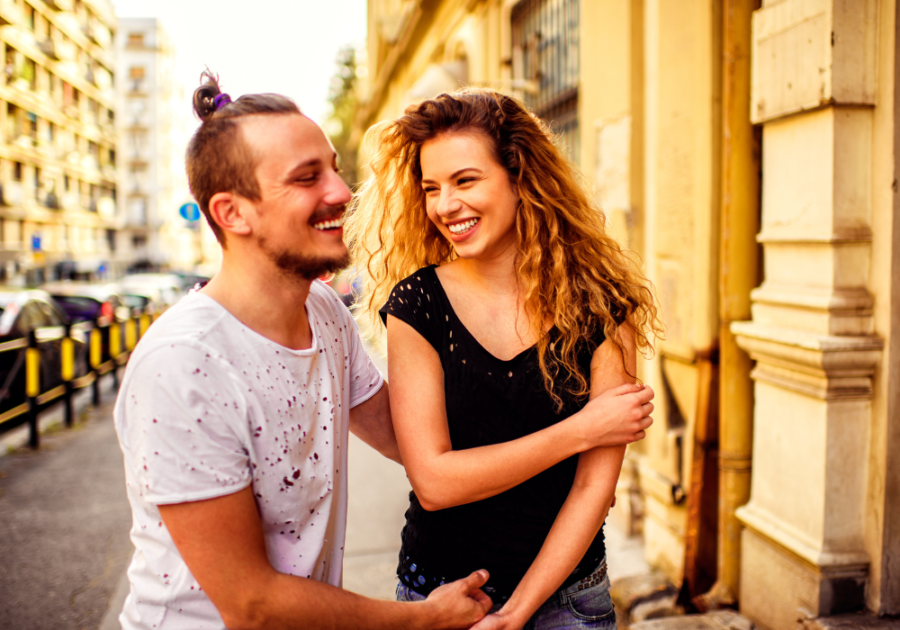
x=421, y=281
x=414, y=299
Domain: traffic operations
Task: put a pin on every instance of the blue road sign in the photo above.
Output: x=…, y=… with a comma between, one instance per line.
x=189, y=211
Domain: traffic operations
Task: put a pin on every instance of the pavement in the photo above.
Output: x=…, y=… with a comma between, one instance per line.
x=64, y=523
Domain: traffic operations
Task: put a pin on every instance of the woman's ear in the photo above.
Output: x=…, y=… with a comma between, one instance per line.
x=228, y=211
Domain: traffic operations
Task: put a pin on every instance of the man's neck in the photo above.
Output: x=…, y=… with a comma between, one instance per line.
x=265, y=299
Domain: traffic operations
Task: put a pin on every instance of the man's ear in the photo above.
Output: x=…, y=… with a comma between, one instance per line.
x=227, y=210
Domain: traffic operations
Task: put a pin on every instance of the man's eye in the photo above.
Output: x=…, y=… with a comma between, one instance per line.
x=307, y=179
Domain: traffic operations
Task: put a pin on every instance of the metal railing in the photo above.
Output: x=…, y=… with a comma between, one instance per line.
x=107, y=347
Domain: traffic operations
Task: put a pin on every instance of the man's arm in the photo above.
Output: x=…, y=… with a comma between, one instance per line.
x=222, y=543
x=371, y=422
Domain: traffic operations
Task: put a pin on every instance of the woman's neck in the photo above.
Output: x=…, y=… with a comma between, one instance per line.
x=495, y=274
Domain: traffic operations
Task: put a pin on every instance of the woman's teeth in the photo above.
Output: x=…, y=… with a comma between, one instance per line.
x=330, y=225
x=465, y=226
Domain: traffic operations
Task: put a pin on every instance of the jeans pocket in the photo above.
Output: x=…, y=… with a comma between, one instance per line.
x=593, y=604
x=404, y=594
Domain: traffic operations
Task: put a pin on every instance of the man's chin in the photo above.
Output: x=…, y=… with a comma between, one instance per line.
x=309, y=268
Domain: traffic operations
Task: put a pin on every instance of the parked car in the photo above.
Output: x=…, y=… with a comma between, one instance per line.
x=171, y=286
x=24, y=311
x=85, y=301
x=192, y=280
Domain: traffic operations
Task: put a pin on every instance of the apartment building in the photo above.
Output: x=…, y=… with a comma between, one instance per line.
x=152, y=124
x=57, y=140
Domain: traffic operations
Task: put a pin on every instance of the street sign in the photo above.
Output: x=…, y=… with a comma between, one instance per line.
x=189, y=211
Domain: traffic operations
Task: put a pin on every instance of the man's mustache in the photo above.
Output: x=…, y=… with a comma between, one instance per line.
x=328, y=213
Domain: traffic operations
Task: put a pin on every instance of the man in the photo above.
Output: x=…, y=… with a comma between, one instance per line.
x=234, y=410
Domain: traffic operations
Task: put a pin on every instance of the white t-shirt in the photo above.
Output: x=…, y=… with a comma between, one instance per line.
x=208, y=407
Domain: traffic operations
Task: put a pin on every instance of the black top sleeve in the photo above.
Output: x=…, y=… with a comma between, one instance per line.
x=413, y=301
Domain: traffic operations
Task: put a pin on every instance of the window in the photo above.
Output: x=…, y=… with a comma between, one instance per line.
x=136, y=75
x=136, y=39
x=17, y=171
x=545, y=53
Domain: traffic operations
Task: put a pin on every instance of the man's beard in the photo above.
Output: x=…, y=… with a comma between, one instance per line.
x=305, y=267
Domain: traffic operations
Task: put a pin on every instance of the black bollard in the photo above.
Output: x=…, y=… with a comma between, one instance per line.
x=32, y=387
x=67, y=352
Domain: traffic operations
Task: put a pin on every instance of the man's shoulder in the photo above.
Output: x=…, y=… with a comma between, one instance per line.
x=191, y=326
x=323, y=300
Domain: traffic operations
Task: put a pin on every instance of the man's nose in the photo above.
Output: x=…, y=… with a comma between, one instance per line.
x=337, y=192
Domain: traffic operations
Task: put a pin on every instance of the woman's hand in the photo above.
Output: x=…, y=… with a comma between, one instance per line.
x=498, y=621
x=618, y=416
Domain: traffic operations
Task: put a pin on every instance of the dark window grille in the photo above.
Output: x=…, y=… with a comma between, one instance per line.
x=545, y=38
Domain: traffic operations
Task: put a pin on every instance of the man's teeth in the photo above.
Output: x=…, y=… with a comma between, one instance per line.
x=329, y=225
x=459, y=228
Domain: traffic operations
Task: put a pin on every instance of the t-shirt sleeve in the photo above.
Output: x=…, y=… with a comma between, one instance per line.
x=183, y=424
x=414, y=302
x=365, y=378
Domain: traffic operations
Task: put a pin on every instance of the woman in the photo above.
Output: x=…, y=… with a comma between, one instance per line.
x=518, y=309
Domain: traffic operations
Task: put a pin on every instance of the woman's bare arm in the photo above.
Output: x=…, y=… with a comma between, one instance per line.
x=445, y=478
x=585, y=508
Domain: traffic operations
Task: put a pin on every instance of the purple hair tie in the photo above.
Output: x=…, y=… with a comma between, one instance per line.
x=221, y=101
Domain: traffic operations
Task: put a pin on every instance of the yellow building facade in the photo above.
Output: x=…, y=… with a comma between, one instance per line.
x=57, y=139
x=745, y=150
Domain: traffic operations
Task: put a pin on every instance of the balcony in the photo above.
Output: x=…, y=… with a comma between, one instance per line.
x=70, y=201
x=48, y=47
x=90, y=33
x=12, y=194
x=59, y=5
x=10, y=13
x=52, y=201
x=106, y=207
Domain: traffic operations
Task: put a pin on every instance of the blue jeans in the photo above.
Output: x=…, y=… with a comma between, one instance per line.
x=590, y=607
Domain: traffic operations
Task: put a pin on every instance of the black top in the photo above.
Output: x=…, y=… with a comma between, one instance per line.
x=489, y=401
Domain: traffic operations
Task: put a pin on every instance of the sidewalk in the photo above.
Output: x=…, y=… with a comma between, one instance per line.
x=64, y=524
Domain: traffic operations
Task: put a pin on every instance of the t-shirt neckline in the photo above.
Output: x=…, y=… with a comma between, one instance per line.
x=313, y=349
x=446, y=299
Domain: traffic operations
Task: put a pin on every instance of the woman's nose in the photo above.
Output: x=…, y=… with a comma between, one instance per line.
x=447, y=203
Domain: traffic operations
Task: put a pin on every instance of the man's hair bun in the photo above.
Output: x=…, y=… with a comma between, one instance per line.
x=205, y=101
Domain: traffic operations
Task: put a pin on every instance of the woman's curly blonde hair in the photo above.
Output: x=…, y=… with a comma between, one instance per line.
x=572, y=272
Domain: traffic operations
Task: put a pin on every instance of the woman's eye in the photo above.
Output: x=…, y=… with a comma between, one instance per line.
x=465, y=180
x=429, y=189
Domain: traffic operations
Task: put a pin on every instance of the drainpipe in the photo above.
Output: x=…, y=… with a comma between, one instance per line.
x=738, y=276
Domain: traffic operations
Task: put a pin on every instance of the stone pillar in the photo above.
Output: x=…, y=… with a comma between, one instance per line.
x=811, y=333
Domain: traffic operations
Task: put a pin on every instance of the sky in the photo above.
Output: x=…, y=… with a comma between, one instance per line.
x=283, y=46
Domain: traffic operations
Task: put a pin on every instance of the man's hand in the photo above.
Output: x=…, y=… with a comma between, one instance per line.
x=618, y=416
x=459, y=604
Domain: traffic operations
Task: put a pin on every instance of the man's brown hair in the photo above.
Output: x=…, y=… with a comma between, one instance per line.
x=218, y=159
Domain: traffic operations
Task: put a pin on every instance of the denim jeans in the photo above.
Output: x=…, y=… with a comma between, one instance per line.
x=590, y=607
